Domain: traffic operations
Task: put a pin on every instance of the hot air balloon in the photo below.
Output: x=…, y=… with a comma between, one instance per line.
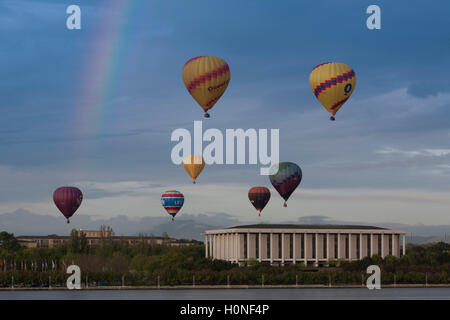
x=259, y=196
x=206, y=78
x=286, y=179
x=172, y=201
x=332, y=84
x=193, y=164
x=67, y=199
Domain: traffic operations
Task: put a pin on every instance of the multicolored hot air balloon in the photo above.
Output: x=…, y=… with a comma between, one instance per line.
x=193, y=164
x=332, y=84
x=67, y=200
x=286, y=179
x=172, y=201
x=206, y=78
x=259, y=196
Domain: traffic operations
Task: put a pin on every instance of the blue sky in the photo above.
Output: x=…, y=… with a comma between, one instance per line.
x=386, y=158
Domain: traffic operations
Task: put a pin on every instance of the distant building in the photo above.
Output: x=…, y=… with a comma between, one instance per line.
x=308, y=244
x=95, y=233
x=94, y=237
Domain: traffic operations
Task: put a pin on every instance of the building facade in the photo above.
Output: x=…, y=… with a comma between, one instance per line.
x=308, y=244
x=94, y=239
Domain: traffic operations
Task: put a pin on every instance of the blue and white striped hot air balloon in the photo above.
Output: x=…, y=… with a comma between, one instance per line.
x=172, y=201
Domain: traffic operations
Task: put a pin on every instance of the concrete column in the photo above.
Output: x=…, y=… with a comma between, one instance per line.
x=363, y=245
x=218, y=246
x=350, y=247
x=271, y=247
x=339, y=253
x=371, y=244
x=282, y=248
x=263, y=246
x=239, y=246
x=317, y=247
x=210, y=246
x=404, y=244
x=232, y=247
x=383, y=245
x=294, y=247
x=259, y=247
x=228, y=255
x=206, y=246
x=222, y=239
x=395, y=245
x=248, y=245
x=305, y=246
x=236, y=246
x=360, y=246
x=213, y=240
x=225, y=247
x=328, y=245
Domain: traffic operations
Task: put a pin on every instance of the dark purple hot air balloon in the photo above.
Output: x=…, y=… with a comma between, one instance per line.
x=67, y=199
x=259, y=196
x=286, y=179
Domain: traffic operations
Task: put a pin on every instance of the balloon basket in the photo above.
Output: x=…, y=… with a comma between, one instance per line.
x=194, y=182
x=332, y=118
x=68, y=221
x=285, y=204
x=206, y=115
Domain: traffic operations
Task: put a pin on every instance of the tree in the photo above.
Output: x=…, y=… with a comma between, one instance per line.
x=84, y=247
x=74, y=243
x=8, y=242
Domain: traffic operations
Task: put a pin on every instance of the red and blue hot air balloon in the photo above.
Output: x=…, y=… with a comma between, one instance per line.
x=67, y=200
x=286, y=179
x=172, y=201
x=259, y=196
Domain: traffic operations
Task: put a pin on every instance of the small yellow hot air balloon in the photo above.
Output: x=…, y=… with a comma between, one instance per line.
x=206, y=78
x=193, y=164
x=332, y=84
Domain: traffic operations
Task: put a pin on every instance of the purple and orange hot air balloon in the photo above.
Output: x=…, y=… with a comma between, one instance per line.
x=67, y=200
x=285, y=178
x=259, y=196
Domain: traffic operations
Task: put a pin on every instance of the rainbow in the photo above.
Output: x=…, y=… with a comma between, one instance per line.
x=101, y=67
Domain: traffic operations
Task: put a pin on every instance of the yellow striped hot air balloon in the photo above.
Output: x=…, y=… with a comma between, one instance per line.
x=193, y=164
x=332, y=84
x=206, y=78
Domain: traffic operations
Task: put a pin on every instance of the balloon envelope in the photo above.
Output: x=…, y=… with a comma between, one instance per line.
x=172, y=201
x=206, y=78
x=332, y=83
x=259, y=197
x=193, y=164
x=286, y=179
x=67, y=200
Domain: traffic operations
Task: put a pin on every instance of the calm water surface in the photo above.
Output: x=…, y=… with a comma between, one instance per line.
x=236, y=294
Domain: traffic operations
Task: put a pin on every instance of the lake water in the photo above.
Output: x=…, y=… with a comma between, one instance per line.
x=235, y=294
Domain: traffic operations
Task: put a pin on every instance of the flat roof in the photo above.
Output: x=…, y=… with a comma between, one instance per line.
x=90, y=238
x=305, y=226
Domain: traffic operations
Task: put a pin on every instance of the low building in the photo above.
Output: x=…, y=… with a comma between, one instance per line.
x=308, y=244
x=94, y=238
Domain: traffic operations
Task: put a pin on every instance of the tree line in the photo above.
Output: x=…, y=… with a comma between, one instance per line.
x=115, y=262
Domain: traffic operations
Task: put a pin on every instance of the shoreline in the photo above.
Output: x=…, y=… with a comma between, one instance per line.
x=230, y=287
